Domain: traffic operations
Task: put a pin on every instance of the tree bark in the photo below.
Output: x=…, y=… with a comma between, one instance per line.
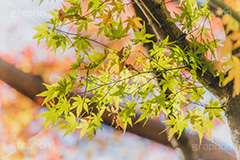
x=233, y=117
x=24, y=83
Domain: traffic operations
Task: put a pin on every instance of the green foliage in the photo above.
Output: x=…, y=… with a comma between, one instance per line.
x=162, y=84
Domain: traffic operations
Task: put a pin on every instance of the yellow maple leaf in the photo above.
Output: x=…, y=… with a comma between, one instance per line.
x=209, y=134
x=107, y=19
x=119, y=122
x=226, y=49
x=235, y=38
x=233, y=74
x=133, y=22
x=231, y=23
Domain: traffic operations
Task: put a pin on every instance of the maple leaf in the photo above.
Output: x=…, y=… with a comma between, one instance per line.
x=119, y=122
x=231, y=23
x=61, y=15
x=235, y=38
x=233, y=75
x=226, y=50
x=107, y=19
x=133, y=22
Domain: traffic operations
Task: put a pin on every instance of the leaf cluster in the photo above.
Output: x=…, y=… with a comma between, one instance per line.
x=115, y=84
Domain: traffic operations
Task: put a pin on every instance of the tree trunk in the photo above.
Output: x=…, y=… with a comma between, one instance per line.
x=233, y=116
x=157, y=15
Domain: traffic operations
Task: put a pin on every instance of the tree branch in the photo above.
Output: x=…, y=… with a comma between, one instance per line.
x=25, y=83
x=150, y=130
